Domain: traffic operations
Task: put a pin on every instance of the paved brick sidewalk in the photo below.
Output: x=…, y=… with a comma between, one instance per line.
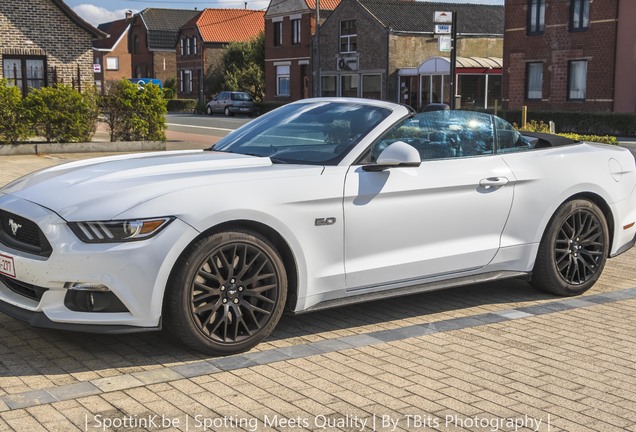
x=475, y=358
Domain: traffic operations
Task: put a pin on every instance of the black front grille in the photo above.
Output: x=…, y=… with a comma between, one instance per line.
x=24, y=289
x=22, y=234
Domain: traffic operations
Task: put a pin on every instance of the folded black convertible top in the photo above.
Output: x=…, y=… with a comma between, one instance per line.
x=549, y=140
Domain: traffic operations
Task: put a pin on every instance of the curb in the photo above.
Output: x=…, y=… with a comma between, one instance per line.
x=57, y=148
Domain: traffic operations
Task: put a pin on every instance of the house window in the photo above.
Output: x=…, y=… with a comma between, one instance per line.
x=25, y=72
x=112, y=63
x=282, y=80
x=135, y=47
x=295, y=24
x=348, y=36
x=534, y=81
x=372, y=86
x=278, y=33
x=194, y=45
x=181, y=46
x=536, y=16
x=188, y=50
x=186, y=81
x=577, y=79
x=580, y=15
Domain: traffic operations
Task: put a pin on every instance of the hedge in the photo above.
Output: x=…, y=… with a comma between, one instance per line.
x=135, y=113
x=263, y=107
x=617, y=124
x=182, y=105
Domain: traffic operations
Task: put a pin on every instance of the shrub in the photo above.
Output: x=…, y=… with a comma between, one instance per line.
x=13, y=121
x=168, y=93
x=534, y=126
x=263, y=107
x=606, y=139
x=182, y=105
x=62, y=114
x=135, y=113
x=606, y=123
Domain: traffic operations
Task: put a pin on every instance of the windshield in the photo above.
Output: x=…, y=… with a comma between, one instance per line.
x=241, y=97
x=316, y=133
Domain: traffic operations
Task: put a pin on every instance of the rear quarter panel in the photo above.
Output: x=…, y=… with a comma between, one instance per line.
x=546, y=178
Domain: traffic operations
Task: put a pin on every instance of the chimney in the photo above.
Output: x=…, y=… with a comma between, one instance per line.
x=129, y=15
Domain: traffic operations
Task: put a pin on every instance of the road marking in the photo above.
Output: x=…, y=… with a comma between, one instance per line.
x=200, y=127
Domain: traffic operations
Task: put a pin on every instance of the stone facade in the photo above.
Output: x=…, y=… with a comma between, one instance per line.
x=554, y=49
x=383, y=51
x=373, y=49
x=47, y=30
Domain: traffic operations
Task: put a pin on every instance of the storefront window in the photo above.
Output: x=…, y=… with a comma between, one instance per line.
x=372, y=86
x=349, y=86
x=328, y=86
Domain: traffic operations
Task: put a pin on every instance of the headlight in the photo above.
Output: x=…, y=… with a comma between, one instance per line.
x=118, y=231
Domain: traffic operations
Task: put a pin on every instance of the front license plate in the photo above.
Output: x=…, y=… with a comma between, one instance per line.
x=7, y=266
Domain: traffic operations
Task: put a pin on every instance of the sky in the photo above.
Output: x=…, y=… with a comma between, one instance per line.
x=97, y=12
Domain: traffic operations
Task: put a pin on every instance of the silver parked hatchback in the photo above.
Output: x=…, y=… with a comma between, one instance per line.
x=230, y=103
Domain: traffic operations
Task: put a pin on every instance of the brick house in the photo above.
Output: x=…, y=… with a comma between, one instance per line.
x=289, y=28
x=112, y=53
x=43, y=42
x=386, y=49
x=201, y=43
x=152, y=37
x=575, y=55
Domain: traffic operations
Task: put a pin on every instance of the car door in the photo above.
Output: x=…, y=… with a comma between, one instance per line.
x=219, y=102
x=436, y=220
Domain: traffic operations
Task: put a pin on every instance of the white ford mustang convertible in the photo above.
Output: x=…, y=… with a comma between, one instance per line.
x=320, y=203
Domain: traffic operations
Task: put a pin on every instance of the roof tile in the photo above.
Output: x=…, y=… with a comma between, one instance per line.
x=324, y=4
x=417, y=16
x=114, y=29
x=230, y=25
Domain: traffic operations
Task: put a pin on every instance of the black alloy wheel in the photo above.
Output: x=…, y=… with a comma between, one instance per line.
x=580, y=246
x=574, y=249
x=228, y=295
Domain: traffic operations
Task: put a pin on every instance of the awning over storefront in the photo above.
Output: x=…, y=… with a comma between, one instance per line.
x=441, y=65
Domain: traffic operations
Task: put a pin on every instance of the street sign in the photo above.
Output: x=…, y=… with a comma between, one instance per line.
x=445, y=43
x=443, y=28
x=443, y=17
x=97, y=68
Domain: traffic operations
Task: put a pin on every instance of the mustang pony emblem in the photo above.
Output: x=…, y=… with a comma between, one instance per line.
x=14, y=226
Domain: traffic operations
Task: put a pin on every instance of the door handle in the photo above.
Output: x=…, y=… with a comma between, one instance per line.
x=493, y=182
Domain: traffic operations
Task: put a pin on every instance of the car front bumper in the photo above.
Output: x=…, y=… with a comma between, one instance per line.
x=135, y=272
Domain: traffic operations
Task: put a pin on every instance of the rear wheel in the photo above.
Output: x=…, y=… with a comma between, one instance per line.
x=226, y=294
x=573, y=250
x=209, y=110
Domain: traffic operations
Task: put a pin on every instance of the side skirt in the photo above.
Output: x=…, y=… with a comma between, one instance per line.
x=415, y=288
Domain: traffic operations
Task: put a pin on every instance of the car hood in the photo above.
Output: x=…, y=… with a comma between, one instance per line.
x=102, y=188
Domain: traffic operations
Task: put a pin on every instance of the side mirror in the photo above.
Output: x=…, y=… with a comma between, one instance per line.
x=396, y=155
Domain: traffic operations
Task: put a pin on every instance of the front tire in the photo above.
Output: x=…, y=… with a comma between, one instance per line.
x=228, y=113
x=573, y=250
x=226, y=293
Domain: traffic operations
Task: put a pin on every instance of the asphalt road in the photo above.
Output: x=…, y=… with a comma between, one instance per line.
x=217, y=125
